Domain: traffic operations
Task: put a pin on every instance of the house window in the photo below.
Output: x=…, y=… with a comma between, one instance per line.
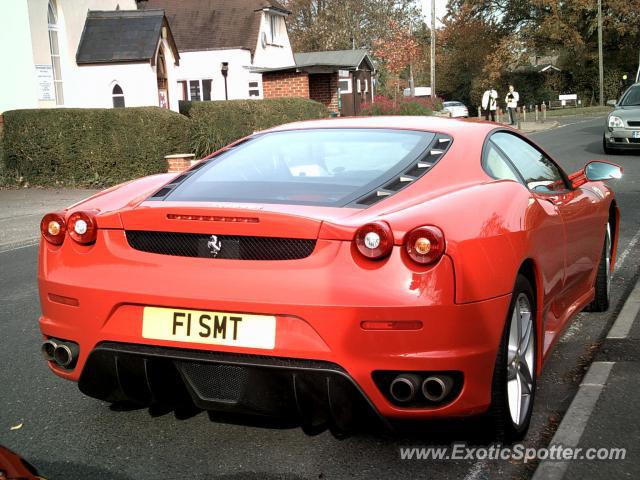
x=273, y=29
x=366, y=85
x=54, y=48
x=358, y=86
x=345, y=86
x=206, y=89
x=195, y=90
x=254, y=90
x=118, y=96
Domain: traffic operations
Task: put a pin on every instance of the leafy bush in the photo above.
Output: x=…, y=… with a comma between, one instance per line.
x=402, y=106
x=91, y=147
x=216, y=124
x=5, y=176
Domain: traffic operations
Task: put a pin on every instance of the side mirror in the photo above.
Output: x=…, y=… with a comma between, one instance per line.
x=595, y=171
x=612, y=103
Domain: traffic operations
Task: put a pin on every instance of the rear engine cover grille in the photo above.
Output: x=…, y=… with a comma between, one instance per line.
x=216, y=382
x=220, y=246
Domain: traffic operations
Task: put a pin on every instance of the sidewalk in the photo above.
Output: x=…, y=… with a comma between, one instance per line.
x=530, y=127
x=22, y=209
x=605, y=414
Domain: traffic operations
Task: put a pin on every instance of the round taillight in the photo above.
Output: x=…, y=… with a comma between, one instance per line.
x=82, y=227
x=53, y=228
x=374, y=240
x=425, y=245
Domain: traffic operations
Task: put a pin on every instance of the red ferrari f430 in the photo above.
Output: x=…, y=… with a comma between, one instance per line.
x=327, y=272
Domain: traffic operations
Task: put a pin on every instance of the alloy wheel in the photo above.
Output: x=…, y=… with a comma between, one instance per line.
x=520, y=360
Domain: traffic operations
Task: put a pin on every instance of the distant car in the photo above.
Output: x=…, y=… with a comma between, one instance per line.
x=456, y=109
x=326, y=272
x=622, y=130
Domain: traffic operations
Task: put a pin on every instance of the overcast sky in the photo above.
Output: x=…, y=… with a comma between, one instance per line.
x=441, y=10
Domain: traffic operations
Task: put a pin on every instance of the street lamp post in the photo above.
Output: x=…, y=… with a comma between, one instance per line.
x=600, y=60
x=224, y=69
x=433, y=48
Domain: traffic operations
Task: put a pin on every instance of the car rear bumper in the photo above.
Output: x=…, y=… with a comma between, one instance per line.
x=319, y=303
x=267, y=390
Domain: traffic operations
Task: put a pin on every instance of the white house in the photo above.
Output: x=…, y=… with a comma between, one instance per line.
x=85, y=53
x=222, y=42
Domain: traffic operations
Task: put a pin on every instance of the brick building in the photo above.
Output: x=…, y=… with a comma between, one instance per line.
x=341, y=80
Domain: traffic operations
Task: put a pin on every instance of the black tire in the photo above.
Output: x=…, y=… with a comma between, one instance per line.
x=602, y=285
x=607, y=149
x=498, y=417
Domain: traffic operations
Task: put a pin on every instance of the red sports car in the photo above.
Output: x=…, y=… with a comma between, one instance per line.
x=327, y=272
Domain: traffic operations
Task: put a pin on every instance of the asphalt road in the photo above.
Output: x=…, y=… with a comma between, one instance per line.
x=71, y=436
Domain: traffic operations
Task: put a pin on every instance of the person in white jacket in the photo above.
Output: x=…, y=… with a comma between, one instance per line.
x=490, y=104
x=512, y=99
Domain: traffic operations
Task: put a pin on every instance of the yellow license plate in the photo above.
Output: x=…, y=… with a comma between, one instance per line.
x=214, y=328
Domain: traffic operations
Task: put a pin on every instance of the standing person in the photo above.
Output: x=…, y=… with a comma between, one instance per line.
x=490, y=103
x=512, y=99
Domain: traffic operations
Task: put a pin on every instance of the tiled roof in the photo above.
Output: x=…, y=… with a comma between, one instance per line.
x=214, y=24
x=337, y=58
x=120, y=36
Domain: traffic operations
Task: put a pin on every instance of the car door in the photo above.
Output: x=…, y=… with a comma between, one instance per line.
x=576, y=208
x=549, y=236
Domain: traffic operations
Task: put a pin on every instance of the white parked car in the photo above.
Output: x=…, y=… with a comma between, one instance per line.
x=456, y=109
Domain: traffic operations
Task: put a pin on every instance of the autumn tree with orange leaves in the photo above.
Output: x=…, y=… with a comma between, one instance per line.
x=398, y=50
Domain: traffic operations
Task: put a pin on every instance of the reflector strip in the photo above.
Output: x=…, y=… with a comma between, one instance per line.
x=74, y=302
x=213, y=218
x=391, y=325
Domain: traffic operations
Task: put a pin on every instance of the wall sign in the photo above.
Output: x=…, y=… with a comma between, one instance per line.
x=44, y=77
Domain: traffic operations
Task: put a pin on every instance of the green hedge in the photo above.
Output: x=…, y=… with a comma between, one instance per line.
x=91, y=147
x=216, y=124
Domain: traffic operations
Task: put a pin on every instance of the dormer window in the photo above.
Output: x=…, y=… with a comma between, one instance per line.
x=274, y=29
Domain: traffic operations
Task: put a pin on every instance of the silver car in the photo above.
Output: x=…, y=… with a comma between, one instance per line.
x=455, y=109
x=622, y=130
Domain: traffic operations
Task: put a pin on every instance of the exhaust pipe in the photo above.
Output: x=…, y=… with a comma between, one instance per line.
x=404, y=387
x=66, y=354
x=48, y=348
x=436, y=388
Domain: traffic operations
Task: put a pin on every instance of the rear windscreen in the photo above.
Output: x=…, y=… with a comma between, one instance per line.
x=329, y=167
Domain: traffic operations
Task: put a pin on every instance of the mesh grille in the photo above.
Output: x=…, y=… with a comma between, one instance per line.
x=216, y=382
x=220, y=246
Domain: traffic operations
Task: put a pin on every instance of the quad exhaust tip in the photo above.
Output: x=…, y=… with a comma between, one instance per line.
x=407, y=387
x=437, y=387
x=48, y=348
x=404, y=387
x=62, y=353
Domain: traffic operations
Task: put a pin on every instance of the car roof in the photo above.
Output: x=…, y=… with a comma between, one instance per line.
x=450, y=126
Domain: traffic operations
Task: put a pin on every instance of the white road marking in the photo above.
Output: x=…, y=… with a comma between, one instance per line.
x=31, y=243
x=575, y=420
x=623, y=256
x=627, y=315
